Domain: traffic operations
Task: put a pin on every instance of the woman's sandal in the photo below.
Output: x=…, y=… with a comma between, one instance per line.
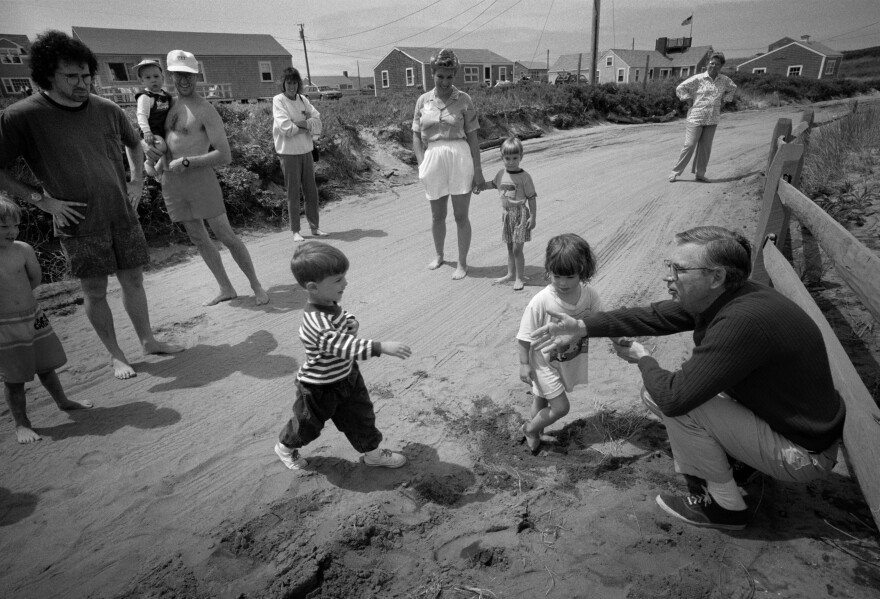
x=533, y=441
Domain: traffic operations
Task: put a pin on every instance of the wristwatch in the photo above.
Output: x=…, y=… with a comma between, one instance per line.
x=36, y=197
x=185, y=163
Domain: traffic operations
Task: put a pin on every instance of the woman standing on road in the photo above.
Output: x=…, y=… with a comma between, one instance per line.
x=295, y=123
x=445, y=142
x=704, y=93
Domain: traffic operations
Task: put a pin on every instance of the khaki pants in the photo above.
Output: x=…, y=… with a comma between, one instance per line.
x=699, y=138
x=702, y=439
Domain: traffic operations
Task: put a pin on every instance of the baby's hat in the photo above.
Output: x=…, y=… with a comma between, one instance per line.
x=147, y=62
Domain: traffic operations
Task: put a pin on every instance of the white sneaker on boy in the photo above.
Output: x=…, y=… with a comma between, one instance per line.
x=290, y=457
x=384, y=458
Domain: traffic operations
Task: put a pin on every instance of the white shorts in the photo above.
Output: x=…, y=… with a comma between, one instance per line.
x=448, y=169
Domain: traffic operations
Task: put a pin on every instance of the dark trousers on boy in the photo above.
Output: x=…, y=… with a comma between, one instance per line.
x=346, y=403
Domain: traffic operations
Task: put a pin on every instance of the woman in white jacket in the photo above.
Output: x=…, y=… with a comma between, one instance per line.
x=296, y=122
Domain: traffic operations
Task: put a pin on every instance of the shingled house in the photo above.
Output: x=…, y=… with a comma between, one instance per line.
x=794, y=58
x=15, y=68
x=410, y=69
x=241, y=67
x=671, y=58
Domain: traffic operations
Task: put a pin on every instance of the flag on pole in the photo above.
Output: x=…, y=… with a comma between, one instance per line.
x=687, y=21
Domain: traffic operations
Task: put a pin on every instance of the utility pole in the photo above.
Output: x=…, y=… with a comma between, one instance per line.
x=548, y=66
x=302, y=36
x=595, y=57
x=359, y=75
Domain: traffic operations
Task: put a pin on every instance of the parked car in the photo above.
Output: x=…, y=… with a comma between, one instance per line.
x=321, y=92
x=565, y=77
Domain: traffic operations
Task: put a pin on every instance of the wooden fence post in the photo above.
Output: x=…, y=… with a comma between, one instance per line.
x=774, y=215
x=810, y=267
x=782, y=128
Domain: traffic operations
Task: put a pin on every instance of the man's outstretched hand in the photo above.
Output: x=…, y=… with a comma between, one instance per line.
x=558, y=334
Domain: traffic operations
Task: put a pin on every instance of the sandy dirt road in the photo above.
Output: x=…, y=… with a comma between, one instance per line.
x=169, y=486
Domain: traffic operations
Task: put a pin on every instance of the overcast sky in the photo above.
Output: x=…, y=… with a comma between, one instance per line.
x=351, y=34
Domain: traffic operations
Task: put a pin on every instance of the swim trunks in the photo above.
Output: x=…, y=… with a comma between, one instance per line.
x=194, y=194
x=106, y=252
x=28, y=346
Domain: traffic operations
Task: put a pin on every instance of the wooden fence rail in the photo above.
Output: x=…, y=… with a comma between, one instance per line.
x=857, y=265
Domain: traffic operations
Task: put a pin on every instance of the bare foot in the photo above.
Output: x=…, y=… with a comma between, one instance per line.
x=26, y=435
x=460, y=273
x=69, y=404
x=122, y=371
x=160, y=347
x=261, y=296
x=318, y=233
x=298, y=237
x=505, y=279
x=518, y=285
x=224, y=296
x=436, y=263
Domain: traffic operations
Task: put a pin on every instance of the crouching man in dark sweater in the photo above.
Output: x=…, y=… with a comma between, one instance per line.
x=757, y=387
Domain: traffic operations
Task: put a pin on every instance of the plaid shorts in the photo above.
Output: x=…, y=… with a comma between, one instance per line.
x=106, y=252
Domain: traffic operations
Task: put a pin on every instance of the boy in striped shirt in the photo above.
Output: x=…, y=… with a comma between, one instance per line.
x=329, y=385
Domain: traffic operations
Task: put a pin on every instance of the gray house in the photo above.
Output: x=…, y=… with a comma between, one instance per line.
x=405, y=69
x=233, y=66
x=15, y=66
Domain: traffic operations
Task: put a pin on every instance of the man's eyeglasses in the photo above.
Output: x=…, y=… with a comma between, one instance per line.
x=673, y=269
x=74, y=78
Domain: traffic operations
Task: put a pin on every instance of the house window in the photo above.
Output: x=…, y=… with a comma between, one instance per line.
x=410, y=77
x=10, y=56
x=487, y=74
x=637, y=75
x=502, y=73
x=14, y=85
x=650, y=74
x=795, y=71
x=472, y=74
x=684, y=72
x=759, y=70
x=664, y=73
x=609, y=61
x=119, y=71
x=829, y=66
x=621, y=75
x=265, y=71
x=385, y=82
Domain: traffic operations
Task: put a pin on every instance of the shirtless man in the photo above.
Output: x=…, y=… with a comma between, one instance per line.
x=189, y=184
x=71, y=140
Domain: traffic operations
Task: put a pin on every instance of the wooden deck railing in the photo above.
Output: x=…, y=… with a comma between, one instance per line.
x=124, y=94
x=857, y=265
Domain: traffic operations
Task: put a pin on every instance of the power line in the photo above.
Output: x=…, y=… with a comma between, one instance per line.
x=371, y=29
x=540, y=37
x=437, y=43
x=486, y=23
x=848, y=32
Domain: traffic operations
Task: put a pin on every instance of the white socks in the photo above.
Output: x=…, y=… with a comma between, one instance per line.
x=726, y=495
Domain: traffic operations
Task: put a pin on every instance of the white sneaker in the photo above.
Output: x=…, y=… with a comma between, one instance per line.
x=384, y=458
x=290, y=457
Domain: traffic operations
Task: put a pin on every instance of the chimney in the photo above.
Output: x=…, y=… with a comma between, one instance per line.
x=805, y=38
x=345, y=74
x=660, y=46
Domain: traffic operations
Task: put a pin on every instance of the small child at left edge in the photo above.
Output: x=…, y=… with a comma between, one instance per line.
x=28, y=345
x=329, y=385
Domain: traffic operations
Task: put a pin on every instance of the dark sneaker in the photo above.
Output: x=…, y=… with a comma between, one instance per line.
x=743, y=474
x=695, y=484
x=701, y=510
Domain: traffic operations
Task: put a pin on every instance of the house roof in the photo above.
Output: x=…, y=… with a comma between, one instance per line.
x=465, y=55
x=15, y=40
x=691, y=56
x=569, y=62
x=159, y=43
x=636, y=58
x=532, y=65
x=813, y=46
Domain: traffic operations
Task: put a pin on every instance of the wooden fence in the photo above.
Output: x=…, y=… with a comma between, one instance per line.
x=857, y=265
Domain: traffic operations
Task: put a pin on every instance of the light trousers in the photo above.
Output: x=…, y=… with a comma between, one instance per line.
x=702, y=439
x=299, y=176
x=699, y=138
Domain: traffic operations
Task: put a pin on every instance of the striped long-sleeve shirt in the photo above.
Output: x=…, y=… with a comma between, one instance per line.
x=707, y=95
x=330, y=350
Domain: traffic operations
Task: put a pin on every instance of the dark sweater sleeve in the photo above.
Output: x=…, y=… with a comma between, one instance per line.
x=729, y=352
x=660, y=318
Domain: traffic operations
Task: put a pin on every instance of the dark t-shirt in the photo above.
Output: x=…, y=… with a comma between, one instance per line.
x=76, y=153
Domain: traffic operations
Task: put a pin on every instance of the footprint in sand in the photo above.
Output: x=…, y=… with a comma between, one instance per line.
x=92, y=459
